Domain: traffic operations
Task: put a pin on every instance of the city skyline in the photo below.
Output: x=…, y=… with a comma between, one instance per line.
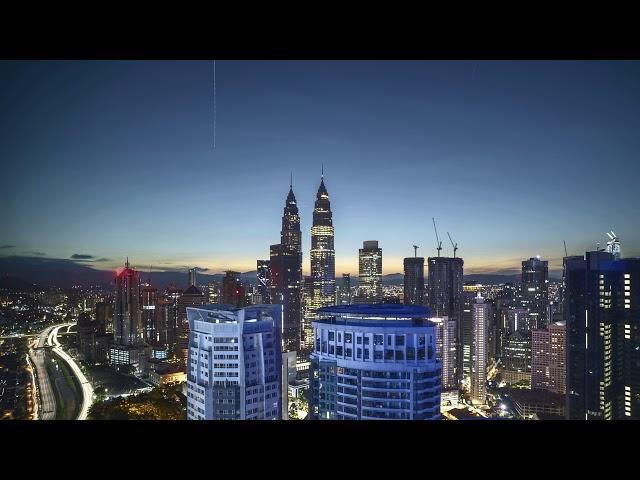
x=492, y=150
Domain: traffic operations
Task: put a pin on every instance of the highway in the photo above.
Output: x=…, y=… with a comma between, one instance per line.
x=49, y=338
x=87, y=389
x=47, y=398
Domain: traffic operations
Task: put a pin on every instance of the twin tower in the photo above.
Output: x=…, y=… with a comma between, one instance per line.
x=286, y=265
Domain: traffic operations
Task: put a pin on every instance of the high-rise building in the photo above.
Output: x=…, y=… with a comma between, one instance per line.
x=104, y=316
x=191, y=297
x=516, y=358
x=602, y=315
x=233, y=292
x=370, y=272
x=127, y=328
x=414, y=281
x=548, y=371
x=480, y=313
x=535, y=291
x=286, y=274
x=264, y=280
x=446, y=351
x=235, y=363
x=193, y=277
x=149, y=298
x=445, y=297
x=345, y=290
x=174, y=318
x=309, y=314
x=323, y=255
x=375, y=361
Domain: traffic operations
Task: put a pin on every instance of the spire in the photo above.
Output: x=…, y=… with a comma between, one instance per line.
x=322, y=174
x=127, y=262
x=291, y=182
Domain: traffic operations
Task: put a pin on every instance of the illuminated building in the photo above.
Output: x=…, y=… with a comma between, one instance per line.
x=480, y=311
x=191, y=297
x=535, y=291
x=414, y=281
x=518, y=320
x=193, y=277
x=233, y=293
x=127, y=328
x=323, y=255
x=548, y=358
x=235, y=363
x=264, y=280
x=92, y=341
x=149, y=298
x=370, y=273
x=529, y=404
x=309, y=313
x=516, y=358
x=602, y=315
x=445, y=296
x=345, y=290
x=286, y=274
x=446, y=351
x=173, y=295
x=373, y=362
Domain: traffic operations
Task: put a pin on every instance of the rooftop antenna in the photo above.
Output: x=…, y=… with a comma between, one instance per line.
x=415, y=250
x=437, y=238
x=454, y=245
x=127, y=262
x=291, y=181
x=565, y=248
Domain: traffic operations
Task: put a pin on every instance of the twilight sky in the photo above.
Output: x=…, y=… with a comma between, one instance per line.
x=116, y=158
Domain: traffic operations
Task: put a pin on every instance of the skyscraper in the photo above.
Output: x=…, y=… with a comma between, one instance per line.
x=264, y=280
x=233, y=293
x=323, y=256
x=548, y=370
x=445, y=297
x=480, y=313
x=192, y=277
x=373, y=362
x=602, y=314
x=286, y=274
x=127, y=328
x=535, y=291
x=370, y=272
x=246, y=385
x=345, y=291
x=446, y=350
x=414, y=281
x=149, y=297
x=191, y=297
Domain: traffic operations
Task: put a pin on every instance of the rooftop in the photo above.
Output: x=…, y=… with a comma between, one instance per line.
x=389, y=310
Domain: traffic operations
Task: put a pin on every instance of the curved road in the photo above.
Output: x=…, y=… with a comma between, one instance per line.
x=49, y=338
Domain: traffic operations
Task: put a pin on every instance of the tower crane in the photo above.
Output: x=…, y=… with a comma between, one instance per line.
x=454, y=245
x=437, y=238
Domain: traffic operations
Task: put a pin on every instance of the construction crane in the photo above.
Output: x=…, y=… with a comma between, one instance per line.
x=415, y=250
x=454, y=245
x=437, y=238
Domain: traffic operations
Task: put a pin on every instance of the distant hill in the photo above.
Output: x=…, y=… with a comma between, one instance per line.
x=15, y=284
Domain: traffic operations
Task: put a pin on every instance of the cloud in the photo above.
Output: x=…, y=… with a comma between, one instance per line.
x=80, y=256
x=38, y=254
x=103, y=260
x=3, y=247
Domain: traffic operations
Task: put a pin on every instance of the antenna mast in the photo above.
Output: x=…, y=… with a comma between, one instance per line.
x=415, y=250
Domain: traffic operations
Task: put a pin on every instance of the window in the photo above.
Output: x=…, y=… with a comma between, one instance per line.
x=377, y=355
x=332, y=335
x=359, y=353
x=331, y=350
x=348, y=352
x=388, y=339
x=399, y=340
x=366, y=340
x=359, y=340
x=347, y=337
x=366, y=354
x=378, y=340
x=338, y=350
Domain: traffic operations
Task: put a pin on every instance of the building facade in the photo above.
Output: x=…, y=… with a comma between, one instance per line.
x=480, y=312
x=535, y=291
x=235, y=363
x=323, y=255
x=548, y=364
x=375, y=361
x=264, y=280
x=414, y=281
x=286, y=274
x=370, y=272
x=446, y=351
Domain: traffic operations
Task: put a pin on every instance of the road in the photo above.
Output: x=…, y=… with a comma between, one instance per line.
x=87, y=389
x=49, y=338
x=45, y=390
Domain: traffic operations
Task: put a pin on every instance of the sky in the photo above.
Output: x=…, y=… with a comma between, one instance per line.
x=108, y=159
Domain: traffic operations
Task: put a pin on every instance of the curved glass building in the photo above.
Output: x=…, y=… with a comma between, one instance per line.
x=375, y=362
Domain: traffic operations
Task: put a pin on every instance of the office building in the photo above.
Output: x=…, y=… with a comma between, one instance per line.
x=127, y=326
x=370, y=273
x=480, y=311
x=516, y=358
x=191, y=297
x=235, y=363
x=323, y=255
x=446, y=351
x=548, y=352
x=602, y=315
x=149, y=299
x=445, y=298
x=345, y=290
x=233, y=292
x=286, y=274
x=264, y=280
x=375, y=361
x=193, y=277
x=414, y=281
x=535, y=291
